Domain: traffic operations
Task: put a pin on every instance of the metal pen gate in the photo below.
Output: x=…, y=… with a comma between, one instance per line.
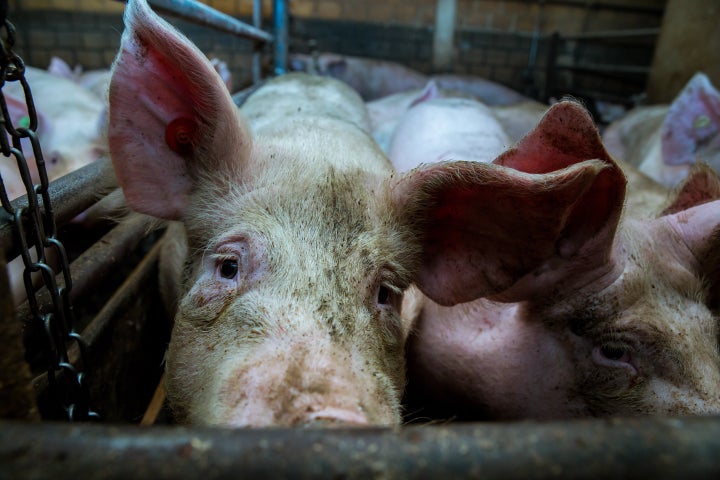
x=118, y=364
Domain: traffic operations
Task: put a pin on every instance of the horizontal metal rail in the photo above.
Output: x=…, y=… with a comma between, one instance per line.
x=656, y=448
x=603, y=68
x=204, y=15
x=106, y=255
x=614, y=34
x=71, y=195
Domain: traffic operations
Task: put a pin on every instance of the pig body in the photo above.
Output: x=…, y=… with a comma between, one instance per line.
x=447, y=129
x=70, y=125
x=371, y=78
x=664, y=142
x=375, y=79
x=299, y=237
x=621, y=319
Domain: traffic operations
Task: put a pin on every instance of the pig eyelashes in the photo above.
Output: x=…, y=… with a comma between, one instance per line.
x=614, y=354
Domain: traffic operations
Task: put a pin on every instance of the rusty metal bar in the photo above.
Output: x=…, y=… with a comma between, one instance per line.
x=204, y=15
x=70, y=195
x=98, y=261
x=117, y=327
x=144, y=273
x=656, y=448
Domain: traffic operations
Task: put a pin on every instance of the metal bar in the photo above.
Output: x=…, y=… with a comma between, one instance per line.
x=97, y=262
x=600, y=68
x=116, y=329
x=257, y=23
x=131, y=288
x=204, y=15
x=444, y=36
x=657, y=448
x=201, y=14
x=280, y=20
x=70, y=195
x=613, y=34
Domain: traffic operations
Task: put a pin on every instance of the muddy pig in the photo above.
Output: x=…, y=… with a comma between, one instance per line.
x=665, y=141
x=299, y=238
x=620, y=318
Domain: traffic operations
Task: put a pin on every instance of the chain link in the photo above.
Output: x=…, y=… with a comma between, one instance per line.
x=35, y=231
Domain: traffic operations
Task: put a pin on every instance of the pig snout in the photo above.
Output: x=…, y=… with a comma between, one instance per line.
x=307, y=383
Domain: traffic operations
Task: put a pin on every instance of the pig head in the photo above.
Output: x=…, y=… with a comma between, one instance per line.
x=299, y=238
x=621, y=317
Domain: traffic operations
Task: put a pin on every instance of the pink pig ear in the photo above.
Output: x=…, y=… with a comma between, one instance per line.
x=483, y=226
x=702, y=185
x=565, y=136
x=693, y=120
x=171, y=118
x=695, y=212
x=430, y=92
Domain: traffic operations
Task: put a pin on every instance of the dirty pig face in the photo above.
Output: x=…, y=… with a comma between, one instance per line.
x=292, y=314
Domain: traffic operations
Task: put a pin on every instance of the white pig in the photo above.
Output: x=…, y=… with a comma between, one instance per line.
x=71, y=122
x=300, y=239
x=664, y=141
x=620, y=318
x=447, y=129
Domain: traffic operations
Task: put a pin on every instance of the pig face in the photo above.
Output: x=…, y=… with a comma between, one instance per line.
x=299, y=237
x=622, y=318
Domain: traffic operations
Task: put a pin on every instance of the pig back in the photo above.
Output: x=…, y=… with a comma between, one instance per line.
x=294, y=95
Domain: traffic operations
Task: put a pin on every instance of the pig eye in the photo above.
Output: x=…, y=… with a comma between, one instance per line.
x=229, y=268
x=614, y=354
x=384, y=295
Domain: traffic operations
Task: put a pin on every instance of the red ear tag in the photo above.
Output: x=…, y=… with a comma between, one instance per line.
x=180, y=135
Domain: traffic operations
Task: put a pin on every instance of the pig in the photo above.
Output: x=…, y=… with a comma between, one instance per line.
x=293, y=239
x=71, y=122
x=96, y=81
x=371, y=78
x=447, y=129
x=664, y=141
x=386, y=112
x=375, y=79
x=620, y=318
x=486, y=91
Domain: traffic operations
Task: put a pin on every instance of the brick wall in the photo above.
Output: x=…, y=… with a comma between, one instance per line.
x=494, y=38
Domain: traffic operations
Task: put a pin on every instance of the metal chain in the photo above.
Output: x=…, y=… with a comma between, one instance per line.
x=35, y=230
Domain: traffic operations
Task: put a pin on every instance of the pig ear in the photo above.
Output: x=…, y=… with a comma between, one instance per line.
x=484, y=226
x=702, y=185
x=172, y=121
x=692, y=120
x=429, y=92
x=565, y=136
x=699, y=228
x=60, y=68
